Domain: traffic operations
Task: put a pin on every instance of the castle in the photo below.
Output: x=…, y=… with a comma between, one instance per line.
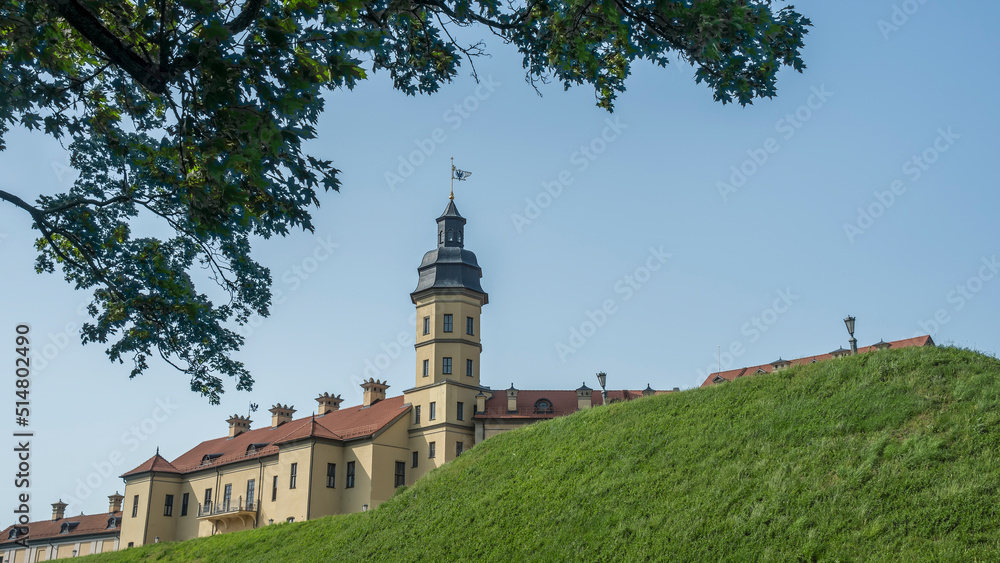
x=339, y=460
x=351, y=459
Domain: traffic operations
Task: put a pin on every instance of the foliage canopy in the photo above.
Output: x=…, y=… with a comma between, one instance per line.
x=194, y=112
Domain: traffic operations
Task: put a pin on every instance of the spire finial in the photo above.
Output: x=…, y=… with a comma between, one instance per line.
x=157, y=450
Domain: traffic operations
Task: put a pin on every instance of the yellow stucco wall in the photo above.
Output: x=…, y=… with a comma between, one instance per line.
x=134, y=528
x=327, y=500
x=460, y=305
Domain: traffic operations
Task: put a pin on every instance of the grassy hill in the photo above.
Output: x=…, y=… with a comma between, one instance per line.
x=893, y=455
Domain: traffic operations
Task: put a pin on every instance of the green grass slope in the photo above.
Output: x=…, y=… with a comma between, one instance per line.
x=886, y=456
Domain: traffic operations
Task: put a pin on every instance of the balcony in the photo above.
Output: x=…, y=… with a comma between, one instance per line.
x=223, y=514
x=527, y=412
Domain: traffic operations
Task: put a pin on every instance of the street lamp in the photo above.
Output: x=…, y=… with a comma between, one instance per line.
x=602, y=378
x=849, y=321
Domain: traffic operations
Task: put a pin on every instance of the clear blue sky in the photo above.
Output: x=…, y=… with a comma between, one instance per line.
x=767, y=263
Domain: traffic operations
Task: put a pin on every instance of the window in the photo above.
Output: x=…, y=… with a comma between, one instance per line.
x=331, y=475
x=543, y=406
x=460, y=411
x=458, y=448
x=433, y=411
x=468, y=368
x=400, y=473
x=427, y=368
x=112, y=524
x=227, y=496
x=184, y=504
x=446, y=366
x=135, y=506
x=430, y=449
x=416, y=414
x=447, y=323
x=251, y=493
x=416, y=457
x=468, y=326
x=451, y=235
x=350, y=475
x=427, y=325
x=168, y=506
x=291, y=478
x=208, y=500
x=274, y=489
x=290, y=519
x=131, y=544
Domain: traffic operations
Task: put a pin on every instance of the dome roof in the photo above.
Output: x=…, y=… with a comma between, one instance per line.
x=450, y=265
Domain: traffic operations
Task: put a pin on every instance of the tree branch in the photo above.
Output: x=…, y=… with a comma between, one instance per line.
x=91, y=28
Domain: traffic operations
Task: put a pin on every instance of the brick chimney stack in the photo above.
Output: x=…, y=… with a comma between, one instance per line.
x=512, y=399
x=281, y=414
x=374, y=391
x=238, y=425
x=115, y=502
x=58, y=510
x=583, y=395
x=328, y=403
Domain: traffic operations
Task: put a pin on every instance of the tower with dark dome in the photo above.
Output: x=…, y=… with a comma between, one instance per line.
x=449, y=300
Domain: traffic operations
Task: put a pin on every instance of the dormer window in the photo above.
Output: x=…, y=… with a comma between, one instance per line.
x=254, y=448
x=719, y=379
x=112, y=522
x=68, y=527
x=543, y=406
x=207, y=459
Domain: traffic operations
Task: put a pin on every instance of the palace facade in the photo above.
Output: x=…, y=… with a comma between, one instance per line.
x=345, y=460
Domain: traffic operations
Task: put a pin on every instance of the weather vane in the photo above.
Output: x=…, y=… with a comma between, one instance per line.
x=457, y=174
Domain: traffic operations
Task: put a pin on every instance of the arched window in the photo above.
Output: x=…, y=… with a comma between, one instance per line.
x=451, y=235
x=543, y=406
x=459, y=236
x=440, y=236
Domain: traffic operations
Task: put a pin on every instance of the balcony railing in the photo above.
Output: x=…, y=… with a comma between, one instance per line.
x=527, y=411
x=226, y=508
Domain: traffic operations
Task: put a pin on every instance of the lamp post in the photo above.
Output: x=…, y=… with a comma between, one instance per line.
x=849, y=321
x=602, y=378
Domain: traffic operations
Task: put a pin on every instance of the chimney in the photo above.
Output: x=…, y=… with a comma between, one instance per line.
x=374, y=391
x=583, y=397
x=58, y=510
x=238, y=425
x=512, y=399
x=328, y=403
x=648, y=391
x=115, y=502
x=281, y=414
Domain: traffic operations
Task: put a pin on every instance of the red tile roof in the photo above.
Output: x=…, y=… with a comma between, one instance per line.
x=563, y=402
x=86, y=524
x=341, y=425
x=732, y=374
x=156, y=463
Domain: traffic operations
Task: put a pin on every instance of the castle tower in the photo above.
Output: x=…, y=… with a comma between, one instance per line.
x=449, y=301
